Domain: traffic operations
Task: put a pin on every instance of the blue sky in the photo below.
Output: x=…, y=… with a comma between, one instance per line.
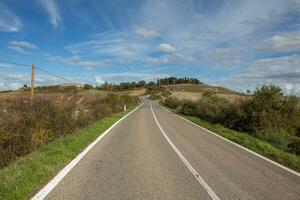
x=240, y=44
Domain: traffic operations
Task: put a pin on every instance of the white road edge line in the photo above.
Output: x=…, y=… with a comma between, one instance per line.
x=51, y=185
x=211, y=193
x=240, y=146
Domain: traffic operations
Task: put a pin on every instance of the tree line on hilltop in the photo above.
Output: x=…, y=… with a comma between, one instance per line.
x=140, y=84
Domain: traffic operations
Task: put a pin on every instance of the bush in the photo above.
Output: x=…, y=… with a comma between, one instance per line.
x=187, y=107
x=212, y=108
x=24, y=128
x=268, y=115
x=172, y=102
x=294, y=145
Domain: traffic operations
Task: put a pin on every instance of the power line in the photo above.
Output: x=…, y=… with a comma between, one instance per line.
x=40, y=69
x=57, y=76
x=14, y=63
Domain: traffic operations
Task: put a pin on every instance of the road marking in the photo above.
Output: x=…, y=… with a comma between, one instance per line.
x=240, y=146
x=51, y=185
x=211, y=193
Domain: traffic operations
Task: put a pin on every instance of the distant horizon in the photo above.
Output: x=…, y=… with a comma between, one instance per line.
x=251, y=92
x=239, y=45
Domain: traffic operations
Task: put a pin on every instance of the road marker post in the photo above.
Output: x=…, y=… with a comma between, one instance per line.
x=32, y=84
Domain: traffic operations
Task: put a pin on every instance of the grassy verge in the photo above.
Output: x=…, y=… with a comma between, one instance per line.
x=264, y=148
x=23, y=178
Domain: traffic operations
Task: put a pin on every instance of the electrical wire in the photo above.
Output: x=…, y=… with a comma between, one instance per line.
x=39, y=69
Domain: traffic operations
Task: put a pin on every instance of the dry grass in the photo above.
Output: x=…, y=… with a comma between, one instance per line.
x=54, y=114
x=187, y=95
x=138, y=92
x=199, y=88
x=197, y=95
x=195, y=92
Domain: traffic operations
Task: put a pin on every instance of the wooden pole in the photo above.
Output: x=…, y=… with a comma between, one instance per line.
x=32, y=84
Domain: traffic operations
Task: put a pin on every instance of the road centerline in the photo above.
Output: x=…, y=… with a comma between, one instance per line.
x=198, y=177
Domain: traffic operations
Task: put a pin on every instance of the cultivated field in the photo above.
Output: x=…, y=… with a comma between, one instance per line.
x=195, y=92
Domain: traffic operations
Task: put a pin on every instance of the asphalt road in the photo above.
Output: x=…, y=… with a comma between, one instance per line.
x=136, y=161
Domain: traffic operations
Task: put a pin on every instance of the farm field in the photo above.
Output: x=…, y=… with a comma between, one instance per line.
x=195, y=92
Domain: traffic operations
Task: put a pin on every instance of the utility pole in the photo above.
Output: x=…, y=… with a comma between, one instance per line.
x=32, y=84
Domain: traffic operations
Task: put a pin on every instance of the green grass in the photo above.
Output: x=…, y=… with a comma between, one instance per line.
x=259, y=146
x=23, y=178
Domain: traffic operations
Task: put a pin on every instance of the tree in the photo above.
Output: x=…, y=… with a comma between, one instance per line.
x=87, y=86
x=141, y=83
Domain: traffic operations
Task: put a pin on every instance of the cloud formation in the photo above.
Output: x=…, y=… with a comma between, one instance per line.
x=167, y=48
x=146, y=33
x=53, y=12
x=282, y=42
x=229, y=42
x=22, y=46
x=9, y=22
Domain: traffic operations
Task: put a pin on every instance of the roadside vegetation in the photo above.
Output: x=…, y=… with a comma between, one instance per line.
x=23, y=178
x=25, y=128
x=255, y=144
x=267, y=115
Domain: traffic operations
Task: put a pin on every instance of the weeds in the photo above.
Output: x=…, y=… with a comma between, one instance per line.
x=24, y=128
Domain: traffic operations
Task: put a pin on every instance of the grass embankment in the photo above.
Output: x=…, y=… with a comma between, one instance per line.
x=23, y=178
x=264, y=148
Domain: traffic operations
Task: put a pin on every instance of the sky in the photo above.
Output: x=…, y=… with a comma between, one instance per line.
x=240, y=44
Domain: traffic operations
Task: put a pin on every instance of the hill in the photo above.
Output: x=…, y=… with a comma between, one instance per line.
x=195, y=91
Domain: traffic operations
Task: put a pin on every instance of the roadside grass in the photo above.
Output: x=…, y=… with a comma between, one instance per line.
x=261, y=147
x=23, y=178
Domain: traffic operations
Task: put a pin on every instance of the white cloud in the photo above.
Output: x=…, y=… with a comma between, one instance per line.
x=282, y=42
x=75, y=60
x=116, y=45
x=16, y=80
x=226, y=57
x=166, y=48
x=91, y=64
x=5, y=66
x=18, y=49
x=99, y=80
x=9, y=22
x=146, y=33
x=280, y=65
x=52, y=9
x=23, y=44
x=282, y=71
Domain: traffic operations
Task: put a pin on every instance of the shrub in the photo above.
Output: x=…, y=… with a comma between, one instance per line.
x=172, y=102
x=187, y=107
x=212, y=108
x=268, y=115
x=294, y=145
x=24, y=128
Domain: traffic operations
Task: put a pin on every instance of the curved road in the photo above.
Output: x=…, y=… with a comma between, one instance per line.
x=135, y=160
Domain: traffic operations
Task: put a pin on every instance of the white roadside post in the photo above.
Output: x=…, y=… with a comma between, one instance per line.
x=124, y=107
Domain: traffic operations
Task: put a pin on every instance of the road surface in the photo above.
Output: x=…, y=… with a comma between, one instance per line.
x=135, y=160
